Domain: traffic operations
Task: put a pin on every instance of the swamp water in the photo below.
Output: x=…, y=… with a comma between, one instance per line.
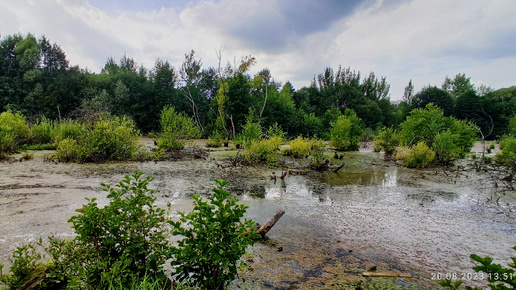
x=336, y=225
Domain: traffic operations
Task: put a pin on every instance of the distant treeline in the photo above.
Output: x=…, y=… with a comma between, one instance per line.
x=36, y=80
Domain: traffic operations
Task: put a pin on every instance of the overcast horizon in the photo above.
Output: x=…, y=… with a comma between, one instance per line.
x=403, y=39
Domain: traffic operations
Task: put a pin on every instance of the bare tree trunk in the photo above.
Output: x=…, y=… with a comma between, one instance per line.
x=232, y=125
x=188, y=95
x=264, y=101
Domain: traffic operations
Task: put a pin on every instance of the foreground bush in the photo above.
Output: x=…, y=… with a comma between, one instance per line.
x=125, y=244
x=497, y=276
x=214, y=241
x=126, y=233
x=175, y=129
x=13, y=132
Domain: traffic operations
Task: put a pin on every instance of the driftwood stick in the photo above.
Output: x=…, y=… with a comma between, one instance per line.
x=385, y=274
x=338, y=168
x=269, y=224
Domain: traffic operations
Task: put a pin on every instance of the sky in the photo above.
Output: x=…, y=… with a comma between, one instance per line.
x=419, y=40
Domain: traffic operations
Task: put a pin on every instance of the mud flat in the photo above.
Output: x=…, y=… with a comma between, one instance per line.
x=371, y=214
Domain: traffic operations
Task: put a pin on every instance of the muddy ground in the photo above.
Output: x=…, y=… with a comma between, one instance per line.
x=372, y=213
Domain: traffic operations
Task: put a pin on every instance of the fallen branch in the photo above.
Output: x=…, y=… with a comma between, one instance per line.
x=338, y=168
x=386, y=274
x=268, y=225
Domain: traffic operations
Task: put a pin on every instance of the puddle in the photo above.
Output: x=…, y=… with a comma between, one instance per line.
x=336, y=225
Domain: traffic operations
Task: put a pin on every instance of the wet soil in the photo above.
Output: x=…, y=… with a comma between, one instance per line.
x=371, y=213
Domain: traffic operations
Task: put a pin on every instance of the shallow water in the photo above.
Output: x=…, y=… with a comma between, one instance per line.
x=336, y=225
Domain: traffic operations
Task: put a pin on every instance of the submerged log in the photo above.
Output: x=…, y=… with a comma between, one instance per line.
x=269, y=224
x=386, y=274
x=338, y=168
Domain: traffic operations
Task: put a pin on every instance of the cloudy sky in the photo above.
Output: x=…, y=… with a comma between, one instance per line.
x=422, y=40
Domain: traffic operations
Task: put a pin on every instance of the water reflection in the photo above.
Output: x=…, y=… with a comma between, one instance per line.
x=296, y=189
x=386, y=177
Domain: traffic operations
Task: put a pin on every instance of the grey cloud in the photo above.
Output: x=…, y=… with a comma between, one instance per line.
x=293, y=19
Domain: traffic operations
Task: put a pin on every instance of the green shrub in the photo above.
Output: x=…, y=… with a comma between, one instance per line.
x=42, y=131
x=25, y=260
x=266, y=150
x=507, y=156
x=299, y=148
x=317, y=151
x=68, y=150
x=387, y=140
x=422, y=125
x=126, y=235
x=251, y=131
x=346, y=132
x=213, y=243
x=497, y=276
x=13, y=131
x=368, y=135
x=105, y=139
x=215, y=140
x=68, y=129
x=465, y=136
x=175, y=129
x=419, y=156
x=124, y=244
x=446, y=149
x=276, y=131
x=455, y=138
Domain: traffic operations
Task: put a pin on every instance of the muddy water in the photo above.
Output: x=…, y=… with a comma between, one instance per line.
x=337, y=225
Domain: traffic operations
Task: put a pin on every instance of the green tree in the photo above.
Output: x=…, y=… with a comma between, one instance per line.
x=459, y=85
x=435, y=95
x=346, y=132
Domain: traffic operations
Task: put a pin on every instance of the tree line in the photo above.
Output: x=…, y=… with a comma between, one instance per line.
x=37, y=80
